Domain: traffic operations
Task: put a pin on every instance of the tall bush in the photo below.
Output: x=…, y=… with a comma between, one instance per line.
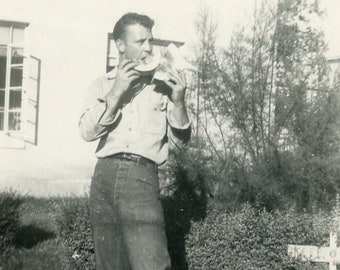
x=266, y=107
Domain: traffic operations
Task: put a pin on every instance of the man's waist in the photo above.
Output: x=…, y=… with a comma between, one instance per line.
x=139, y=160
x=156, y=152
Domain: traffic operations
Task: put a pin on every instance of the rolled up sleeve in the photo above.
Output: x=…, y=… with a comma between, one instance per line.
x=179, y=133
x=93, y=121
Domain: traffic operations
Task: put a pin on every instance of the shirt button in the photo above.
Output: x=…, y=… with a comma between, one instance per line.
x=155, y=109
x=127, y=146
x=130, y=129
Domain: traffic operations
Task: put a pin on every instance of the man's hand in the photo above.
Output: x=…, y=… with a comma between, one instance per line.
x=125, y=75
x=178, y=84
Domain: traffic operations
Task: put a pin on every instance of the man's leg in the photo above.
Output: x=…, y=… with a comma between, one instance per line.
x=142, y=220
x=147, y=246
x=110, y=252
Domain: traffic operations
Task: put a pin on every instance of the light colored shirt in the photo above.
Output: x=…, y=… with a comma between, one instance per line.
x=143, y=124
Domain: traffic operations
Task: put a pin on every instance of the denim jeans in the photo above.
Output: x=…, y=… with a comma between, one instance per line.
x=127, y=217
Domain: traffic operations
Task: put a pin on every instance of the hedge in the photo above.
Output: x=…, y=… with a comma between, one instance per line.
x=245, y=239
x=74, y=230
x=254, y=239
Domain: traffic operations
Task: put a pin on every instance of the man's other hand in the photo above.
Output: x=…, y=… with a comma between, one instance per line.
x=177, y=82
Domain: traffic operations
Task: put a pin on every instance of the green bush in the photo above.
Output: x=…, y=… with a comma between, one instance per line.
x=248, y=238
x=47, y=255
x=253, y=239
x=74, y=230
x=9, y=218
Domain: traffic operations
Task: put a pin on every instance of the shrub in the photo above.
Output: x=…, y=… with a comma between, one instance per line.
x=248, y=238
x=74, y=230
x=9, y=218
x=253, y=239
x=45, y=255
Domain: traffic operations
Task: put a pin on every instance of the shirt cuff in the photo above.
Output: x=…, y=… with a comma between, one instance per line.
x=103, y=119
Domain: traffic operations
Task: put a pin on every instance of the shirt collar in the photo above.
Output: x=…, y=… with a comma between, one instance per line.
x=112, y=74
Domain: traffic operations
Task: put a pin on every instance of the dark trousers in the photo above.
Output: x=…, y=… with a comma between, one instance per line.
x=127, y=216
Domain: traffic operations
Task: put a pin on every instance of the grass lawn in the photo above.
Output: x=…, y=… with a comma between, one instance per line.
x=36, y=245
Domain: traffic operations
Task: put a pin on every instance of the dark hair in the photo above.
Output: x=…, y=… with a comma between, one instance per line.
x=128, y=19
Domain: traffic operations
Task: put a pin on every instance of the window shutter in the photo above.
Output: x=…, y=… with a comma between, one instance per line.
x=31, y=119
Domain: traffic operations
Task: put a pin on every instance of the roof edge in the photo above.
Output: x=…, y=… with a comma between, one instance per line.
x=14, y=23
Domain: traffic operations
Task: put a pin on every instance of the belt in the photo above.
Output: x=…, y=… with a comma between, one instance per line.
x=139, y=160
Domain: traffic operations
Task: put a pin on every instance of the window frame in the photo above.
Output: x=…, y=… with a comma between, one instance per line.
x=10, y=46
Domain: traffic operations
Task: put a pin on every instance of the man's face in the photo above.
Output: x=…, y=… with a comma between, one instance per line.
x=136, y=43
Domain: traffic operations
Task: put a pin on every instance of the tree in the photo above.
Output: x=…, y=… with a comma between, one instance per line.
x=267, y=108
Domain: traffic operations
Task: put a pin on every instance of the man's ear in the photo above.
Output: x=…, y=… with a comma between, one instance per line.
x=120, y=45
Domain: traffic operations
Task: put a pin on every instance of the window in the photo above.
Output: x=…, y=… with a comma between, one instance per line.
x=12, y=36
x=19, y=88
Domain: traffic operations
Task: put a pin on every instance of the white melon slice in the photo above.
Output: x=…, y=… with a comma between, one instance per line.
x=171, y=57
x=159, y=61
x=149, y=64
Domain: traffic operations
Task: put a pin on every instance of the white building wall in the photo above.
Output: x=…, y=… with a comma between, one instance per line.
x=70, y=39
x=72, y=50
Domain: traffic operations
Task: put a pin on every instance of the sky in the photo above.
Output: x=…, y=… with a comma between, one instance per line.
x=332, y=25
x=174, y=18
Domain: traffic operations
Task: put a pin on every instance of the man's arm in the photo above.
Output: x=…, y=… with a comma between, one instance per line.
x=92, y=123
x=180, y=126
x=101, y=113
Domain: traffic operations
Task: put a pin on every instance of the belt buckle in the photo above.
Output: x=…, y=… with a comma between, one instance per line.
x=131, y=157
x=139, y=160
x=125, y=156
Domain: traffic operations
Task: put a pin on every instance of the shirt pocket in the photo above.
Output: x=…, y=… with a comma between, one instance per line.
x=153, y=115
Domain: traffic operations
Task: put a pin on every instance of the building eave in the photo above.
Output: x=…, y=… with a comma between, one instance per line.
x=14, y=23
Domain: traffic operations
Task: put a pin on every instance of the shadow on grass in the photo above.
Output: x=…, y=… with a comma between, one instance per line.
x=188, y=203
x=30, y=235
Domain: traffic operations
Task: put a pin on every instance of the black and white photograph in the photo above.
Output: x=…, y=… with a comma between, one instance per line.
x=170, y=135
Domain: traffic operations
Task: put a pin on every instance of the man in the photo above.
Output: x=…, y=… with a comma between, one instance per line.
x=134, y=118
